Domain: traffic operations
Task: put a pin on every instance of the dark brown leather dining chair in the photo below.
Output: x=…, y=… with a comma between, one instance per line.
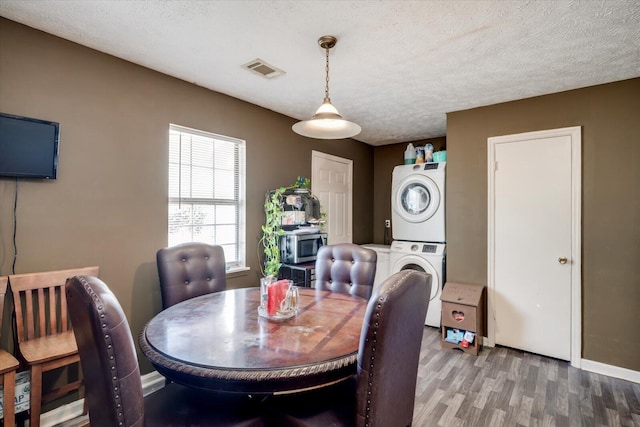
x=382, y=393
x=112, y=375
x=347, y=268
x=189, y=270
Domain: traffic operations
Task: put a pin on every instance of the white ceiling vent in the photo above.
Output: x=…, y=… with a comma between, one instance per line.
x=258, y=66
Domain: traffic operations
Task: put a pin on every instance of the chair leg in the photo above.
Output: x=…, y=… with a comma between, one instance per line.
x=9, y=384
x=35, y=399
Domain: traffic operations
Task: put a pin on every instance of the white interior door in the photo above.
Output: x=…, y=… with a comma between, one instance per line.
x=533, y=252
x=332, y=183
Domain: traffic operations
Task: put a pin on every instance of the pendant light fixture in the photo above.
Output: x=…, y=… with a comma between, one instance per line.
x=327, y=123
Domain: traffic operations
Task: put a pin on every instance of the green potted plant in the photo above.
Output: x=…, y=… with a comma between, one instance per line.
x=272, y=228
x=271, y=231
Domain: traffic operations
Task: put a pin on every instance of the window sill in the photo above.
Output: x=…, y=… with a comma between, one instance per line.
x=238, y=272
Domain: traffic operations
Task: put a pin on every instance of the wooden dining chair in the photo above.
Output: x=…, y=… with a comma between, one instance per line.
x=112, y=374
x=346, y=268
x=189, y=270
x=382, y=393
x=45, y=338
x=8, y=367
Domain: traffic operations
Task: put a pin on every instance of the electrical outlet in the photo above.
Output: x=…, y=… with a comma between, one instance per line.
x=387, y=223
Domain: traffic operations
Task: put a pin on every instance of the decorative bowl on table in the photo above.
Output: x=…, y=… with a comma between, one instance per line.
x=279, y=315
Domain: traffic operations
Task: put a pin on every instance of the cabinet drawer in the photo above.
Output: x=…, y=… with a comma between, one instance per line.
x=460, y=316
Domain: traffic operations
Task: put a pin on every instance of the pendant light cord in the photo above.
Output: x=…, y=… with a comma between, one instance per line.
x=326, y=69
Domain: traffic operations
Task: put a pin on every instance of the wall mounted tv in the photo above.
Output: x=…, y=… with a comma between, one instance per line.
x=28, y=147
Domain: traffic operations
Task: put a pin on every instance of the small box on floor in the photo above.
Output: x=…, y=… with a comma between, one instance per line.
x=463, y=308
x=21, y=394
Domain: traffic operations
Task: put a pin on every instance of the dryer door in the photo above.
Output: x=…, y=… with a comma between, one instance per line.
x=416, y=198
x=413, y=262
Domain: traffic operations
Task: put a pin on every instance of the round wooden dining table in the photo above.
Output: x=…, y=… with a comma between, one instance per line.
x=219, y=342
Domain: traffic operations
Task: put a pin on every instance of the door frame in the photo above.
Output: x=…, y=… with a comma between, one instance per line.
x=576, y=230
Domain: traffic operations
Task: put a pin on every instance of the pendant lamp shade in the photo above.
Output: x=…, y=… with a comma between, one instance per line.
x=327, y=123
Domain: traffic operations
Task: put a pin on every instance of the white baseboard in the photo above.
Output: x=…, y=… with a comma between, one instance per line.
x=70, y=414
x=611, y=371
x=151, y=382
x=62, y=414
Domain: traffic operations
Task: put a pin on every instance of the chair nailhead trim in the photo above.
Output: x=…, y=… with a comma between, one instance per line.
x=373, y=349
x=107, y=340
x=376, y=325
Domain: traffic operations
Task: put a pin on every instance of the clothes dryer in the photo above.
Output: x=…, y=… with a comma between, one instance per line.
x=427, y=257
x=418, y=202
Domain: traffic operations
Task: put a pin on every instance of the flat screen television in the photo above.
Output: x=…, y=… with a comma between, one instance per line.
x=28, y=147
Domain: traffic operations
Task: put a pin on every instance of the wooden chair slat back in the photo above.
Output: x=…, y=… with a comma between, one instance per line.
x=55, y=322
x=40, y=306
x=64, y=319
x=40, y=301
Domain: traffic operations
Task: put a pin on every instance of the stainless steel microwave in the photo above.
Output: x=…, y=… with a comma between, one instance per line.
x=298, y=248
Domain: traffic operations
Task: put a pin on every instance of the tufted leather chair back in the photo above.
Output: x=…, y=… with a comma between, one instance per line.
x=389, y=350
x=109, y=361
x=382, y=392
x=189, y=270
x=346, y=268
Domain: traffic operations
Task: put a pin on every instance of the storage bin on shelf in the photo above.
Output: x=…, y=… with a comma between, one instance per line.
x=463, y=316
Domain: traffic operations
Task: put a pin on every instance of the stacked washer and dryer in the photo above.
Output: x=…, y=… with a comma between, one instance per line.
x=418, y=224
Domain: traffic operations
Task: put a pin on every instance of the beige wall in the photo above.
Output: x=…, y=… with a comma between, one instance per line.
x=108, y=206
x=610, y=119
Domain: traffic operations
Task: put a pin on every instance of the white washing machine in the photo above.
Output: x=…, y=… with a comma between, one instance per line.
x=417, y=202
x=382, y=266
x=427, y=257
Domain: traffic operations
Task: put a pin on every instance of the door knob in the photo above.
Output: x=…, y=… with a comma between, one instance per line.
x=562, y=260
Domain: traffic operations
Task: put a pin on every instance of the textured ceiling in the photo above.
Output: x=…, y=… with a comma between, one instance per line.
x=398, y=67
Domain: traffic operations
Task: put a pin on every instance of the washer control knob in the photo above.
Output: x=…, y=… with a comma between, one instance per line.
x=414, y=247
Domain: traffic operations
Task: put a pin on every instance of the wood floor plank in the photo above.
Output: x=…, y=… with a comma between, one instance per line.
x=562, y=421
x=465, y=411
x=471, y=418
x=483, y=395
x=551, y=398
x=531, y=380
x=453, y=405
x=562, y=396
x=524, y=411
x=504, y=396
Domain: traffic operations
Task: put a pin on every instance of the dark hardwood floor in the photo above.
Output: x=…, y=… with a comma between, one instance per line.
x=506, y=387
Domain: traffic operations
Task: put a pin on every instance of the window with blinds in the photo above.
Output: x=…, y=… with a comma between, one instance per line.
x=206, y=191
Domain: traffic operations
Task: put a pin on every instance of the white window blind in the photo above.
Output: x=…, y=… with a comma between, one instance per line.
x=206, y=191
